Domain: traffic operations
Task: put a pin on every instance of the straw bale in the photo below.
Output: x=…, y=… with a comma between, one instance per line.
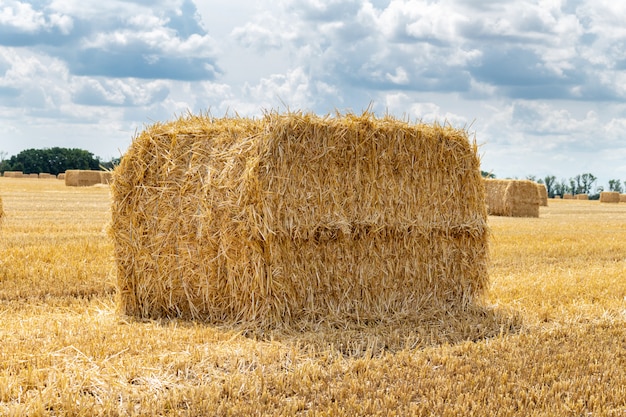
x=61, y=176
x=582, y=197
x=609, y=197
x=512, y=198
x=622, y=198
x=568, y=197
x=13, y=174
x=557, y=197
x=43, y=175
x=543, y=195
x=297, y=218
x=106, y=177
x=82, y=178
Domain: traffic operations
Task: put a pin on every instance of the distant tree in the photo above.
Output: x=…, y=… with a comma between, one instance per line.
x=561, y=188
x=615, y=185
x=52, y=161
x=550, y=183
x=531, y=178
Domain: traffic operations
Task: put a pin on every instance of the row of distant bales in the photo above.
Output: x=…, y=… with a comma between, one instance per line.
x=72, y=177
x=511, y=198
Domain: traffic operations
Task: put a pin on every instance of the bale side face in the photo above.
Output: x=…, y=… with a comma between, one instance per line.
x=82, y=178
x=609, y=197
x=297, y=217
x=543, y=195
x=622, y=198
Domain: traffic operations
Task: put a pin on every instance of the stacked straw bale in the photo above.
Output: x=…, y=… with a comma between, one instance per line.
x=297, y=218
x=609, y=197
x=512, y=198
x=82, y=178
x=582, y=197
x=543, y=195
x=106, y=177
x=13, y=174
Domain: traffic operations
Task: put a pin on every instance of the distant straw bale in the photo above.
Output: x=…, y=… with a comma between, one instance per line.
x=33, y=175
x=543, y=194
x=13, y=174
x=82, y=178
x=106, y=177
x=298, y=218
x=582, y=197
x=512, y=198
x=61, y=176
x=609, y=197
x=43, y=175
x=568, y=197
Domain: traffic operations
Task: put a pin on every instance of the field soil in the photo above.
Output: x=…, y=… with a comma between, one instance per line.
x=548, y=340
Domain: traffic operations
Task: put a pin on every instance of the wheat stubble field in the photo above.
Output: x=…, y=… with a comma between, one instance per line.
x=549, y=340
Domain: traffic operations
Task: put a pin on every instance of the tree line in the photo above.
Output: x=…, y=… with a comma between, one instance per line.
x=52, y=161
x=579, y=184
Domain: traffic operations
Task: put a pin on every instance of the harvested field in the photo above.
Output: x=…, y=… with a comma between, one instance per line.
x=549, y=340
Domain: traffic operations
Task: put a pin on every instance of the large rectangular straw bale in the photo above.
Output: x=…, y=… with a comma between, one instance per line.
x=609, y=197
x=622, y=198
x=82, y=178
x=543, y=195
x=296, y=217
x=582, y=197
x=568, y=197
x=61, y=176
x=512, y=198
x=13, y=174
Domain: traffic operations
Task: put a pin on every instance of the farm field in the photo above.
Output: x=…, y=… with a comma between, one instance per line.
x=549, y=340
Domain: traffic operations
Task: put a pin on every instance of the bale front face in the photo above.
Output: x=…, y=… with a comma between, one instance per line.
x=82, y=178
x=609, y=197
x=512, y=198
x=297, y=217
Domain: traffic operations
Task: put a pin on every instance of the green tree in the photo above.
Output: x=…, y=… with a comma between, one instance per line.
x=615, y=185
x=51, y=160
x=550, y=182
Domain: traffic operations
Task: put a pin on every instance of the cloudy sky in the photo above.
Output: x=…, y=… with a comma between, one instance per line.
x=540, y=83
